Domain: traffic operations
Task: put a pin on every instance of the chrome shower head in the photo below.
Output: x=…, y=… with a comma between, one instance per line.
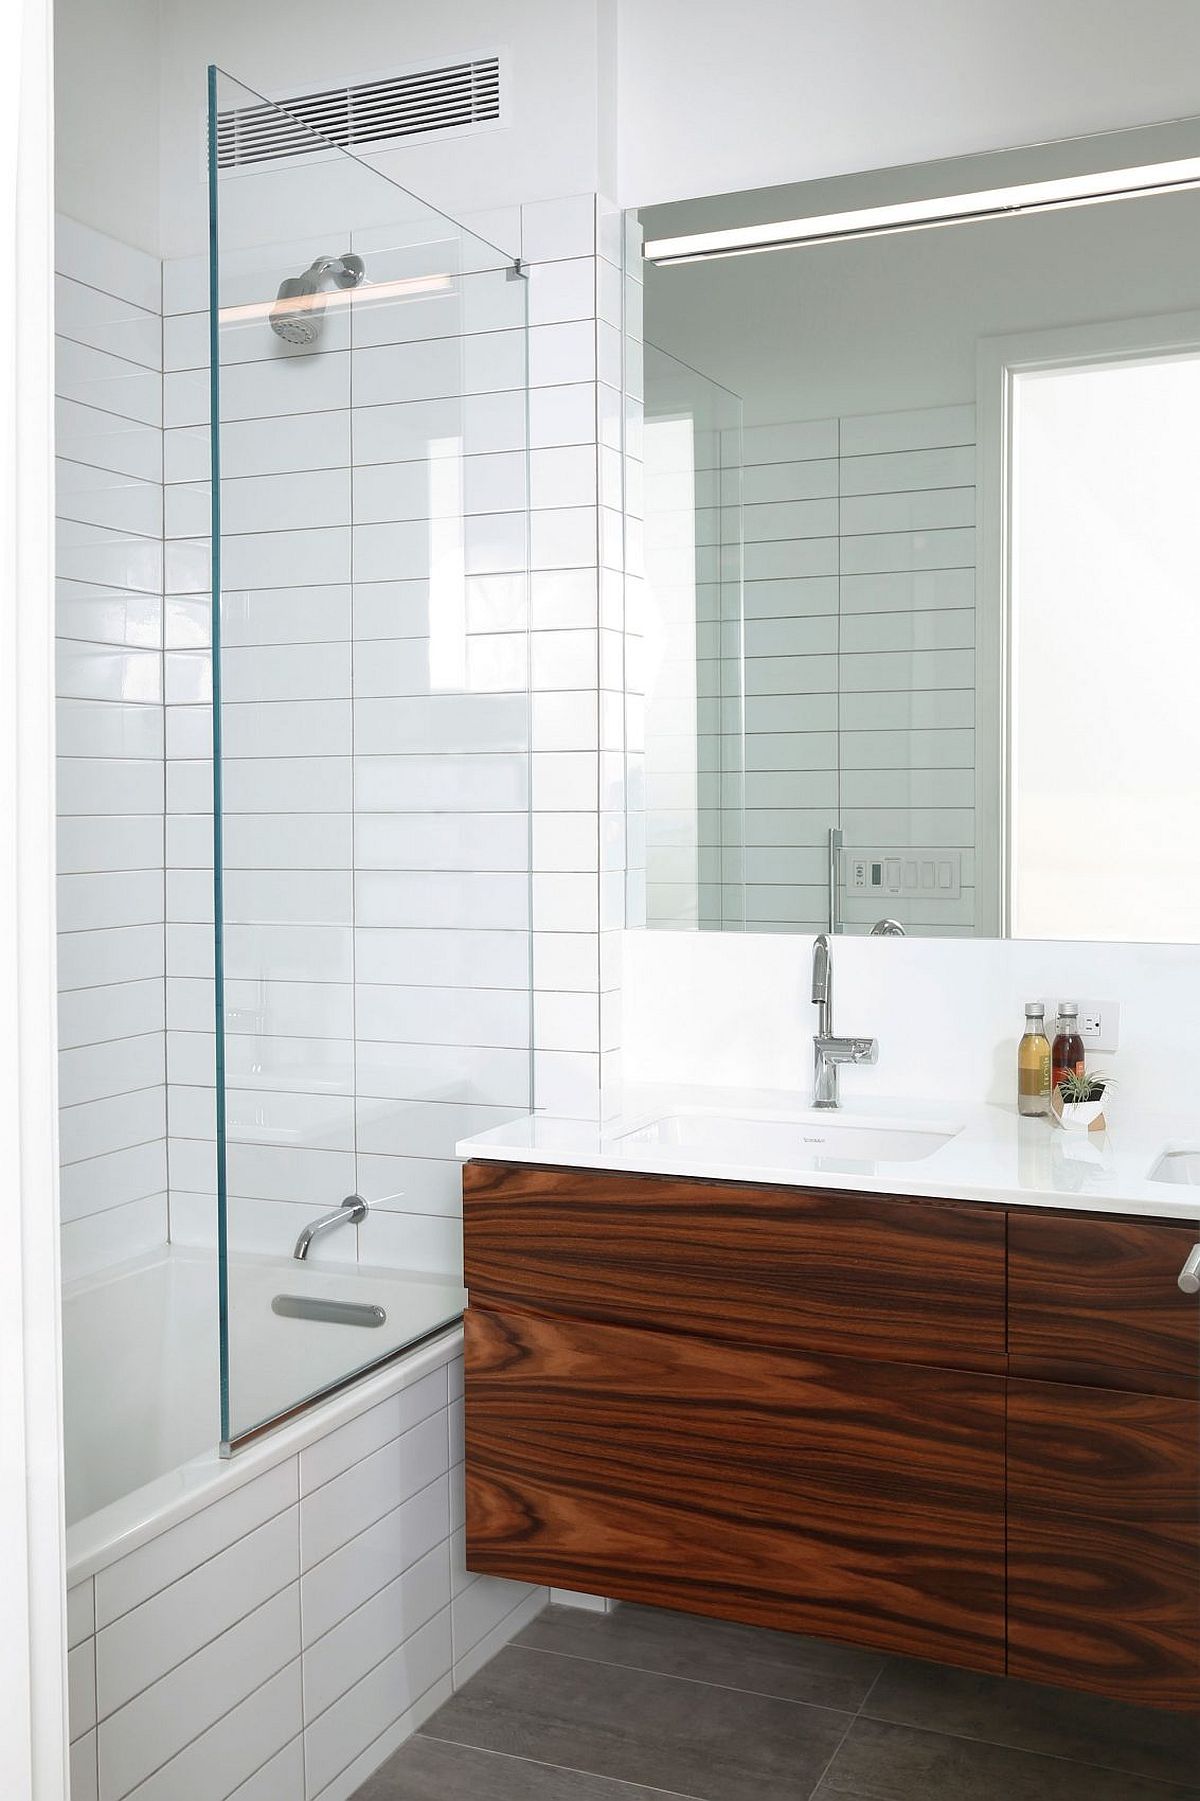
x=299, y=310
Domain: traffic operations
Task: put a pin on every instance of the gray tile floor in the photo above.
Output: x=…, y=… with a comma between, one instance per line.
x=639, y=1705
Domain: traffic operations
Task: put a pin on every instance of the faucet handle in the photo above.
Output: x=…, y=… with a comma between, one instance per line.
x=864, y=1050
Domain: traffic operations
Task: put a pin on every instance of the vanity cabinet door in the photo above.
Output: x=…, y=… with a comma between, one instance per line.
x=859, y=1500
x=1104, y=1542
x=902, y=1279
x=1098, y=1301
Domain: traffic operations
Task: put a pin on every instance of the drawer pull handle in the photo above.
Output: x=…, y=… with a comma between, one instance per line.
x=1189, y=1275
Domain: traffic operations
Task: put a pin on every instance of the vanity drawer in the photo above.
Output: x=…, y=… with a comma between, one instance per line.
x=1105, y=1606
x=862, y=1501
x=1098, y=1301
x=907, y=1280
x=1104, y=1453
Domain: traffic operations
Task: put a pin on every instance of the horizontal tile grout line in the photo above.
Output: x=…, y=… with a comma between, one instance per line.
x=146, y=481
x=803, y=500
x=540, y=1764
x=291, y=1582
x=442, y=1476
x=445, y=1044
x=124, y=479
x=122, y=1150
x=671, y=1676
x=447, y=1543
x=111, y=413
x=133, y=1200
x=734, y=1688
x=91, y=1044
x=297, y=1738
x=834, y=456
x=353, y=467
x=80, y=281
x=122, y=532
x=196, y=1736
x=446, y=1676
x=123, y=1094
x=1058, y=1757
x=131, y=362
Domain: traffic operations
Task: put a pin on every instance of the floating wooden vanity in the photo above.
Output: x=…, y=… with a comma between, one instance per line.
x=942, y=1428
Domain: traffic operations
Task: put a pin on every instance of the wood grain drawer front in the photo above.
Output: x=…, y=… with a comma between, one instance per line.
x=861, y=1501
x=1104, y=1541
x=899, y=1279
x=1105, y=1454
x=1104, y=1606
x=1098, y=1300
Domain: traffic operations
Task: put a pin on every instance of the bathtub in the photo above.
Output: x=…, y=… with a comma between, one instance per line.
x=267, y=1625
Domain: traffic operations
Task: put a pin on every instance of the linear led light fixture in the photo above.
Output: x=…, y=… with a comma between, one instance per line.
x=411, y=287
x=921, y=215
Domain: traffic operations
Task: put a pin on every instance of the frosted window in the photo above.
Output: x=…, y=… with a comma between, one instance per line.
x=1105, y=652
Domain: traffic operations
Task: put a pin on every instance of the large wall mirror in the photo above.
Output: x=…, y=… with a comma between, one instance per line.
x=922, y=511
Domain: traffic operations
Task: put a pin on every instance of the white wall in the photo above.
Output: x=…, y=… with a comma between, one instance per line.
x=554, y=48
x=652, y=102
x=715, y=98
x=106, y=72
x=736, y=1011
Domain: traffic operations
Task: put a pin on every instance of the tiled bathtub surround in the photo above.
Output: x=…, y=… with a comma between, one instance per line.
x=278, y=1643
x=112, y=1077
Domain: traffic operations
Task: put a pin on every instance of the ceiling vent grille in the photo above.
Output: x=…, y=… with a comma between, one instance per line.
x=460, y=96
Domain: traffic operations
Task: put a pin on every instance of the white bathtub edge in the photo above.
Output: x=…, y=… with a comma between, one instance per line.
x=113, y=1532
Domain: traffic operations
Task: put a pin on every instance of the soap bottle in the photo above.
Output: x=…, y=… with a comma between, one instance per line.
x=1067, y=1058
x=1033, y=1062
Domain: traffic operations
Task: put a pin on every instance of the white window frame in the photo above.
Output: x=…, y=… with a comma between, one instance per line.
x=998, y=362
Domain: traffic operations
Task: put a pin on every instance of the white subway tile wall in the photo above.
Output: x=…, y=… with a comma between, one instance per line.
x=375, y=750
x=859, y=638
x=425, y=798
x=109, y=624
x=281, y=1642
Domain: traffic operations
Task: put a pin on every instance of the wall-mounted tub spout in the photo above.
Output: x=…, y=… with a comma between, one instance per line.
x=352, y=1212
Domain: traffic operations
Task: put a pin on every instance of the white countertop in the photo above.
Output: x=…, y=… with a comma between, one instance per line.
x=994, y=1155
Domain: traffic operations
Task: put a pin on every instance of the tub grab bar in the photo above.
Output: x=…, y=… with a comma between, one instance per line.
x=331, y=1313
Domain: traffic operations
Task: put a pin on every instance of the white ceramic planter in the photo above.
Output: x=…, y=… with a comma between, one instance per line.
x=1077, y=1116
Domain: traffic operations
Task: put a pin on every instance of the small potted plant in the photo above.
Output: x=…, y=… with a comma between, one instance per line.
x=1079, y=1100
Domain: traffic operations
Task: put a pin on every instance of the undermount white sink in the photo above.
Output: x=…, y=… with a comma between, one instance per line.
x=1182, y=1166
x=815, y=1140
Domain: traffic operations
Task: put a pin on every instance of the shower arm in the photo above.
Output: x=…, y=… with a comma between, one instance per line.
x=346, y=271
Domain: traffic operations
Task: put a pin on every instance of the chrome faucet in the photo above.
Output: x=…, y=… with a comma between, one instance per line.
x=352, y=1212
x=829, y=1051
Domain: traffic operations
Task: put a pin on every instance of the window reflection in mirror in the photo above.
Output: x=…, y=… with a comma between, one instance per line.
x=923, y=566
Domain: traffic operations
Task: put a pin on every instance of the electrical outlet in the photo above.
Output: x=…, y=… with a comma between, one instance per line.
x=1099, y=1025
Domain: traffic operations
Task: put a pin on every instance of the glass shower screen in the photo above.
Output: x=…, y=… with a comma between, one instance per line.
x=370, y=754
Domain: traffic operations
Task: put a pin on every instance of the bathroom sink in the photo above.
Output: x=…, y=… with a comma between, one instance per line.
x=804, y=1141
x=1182, y=1166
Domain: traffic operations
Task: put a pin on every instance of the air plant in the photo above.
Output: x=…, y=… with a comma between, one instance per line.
x=1079, y=1087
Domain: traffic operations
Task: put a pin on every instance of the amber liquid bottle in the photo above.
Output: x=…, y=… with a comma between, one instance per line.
x=1033, y=1063
x=1067, y=1058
